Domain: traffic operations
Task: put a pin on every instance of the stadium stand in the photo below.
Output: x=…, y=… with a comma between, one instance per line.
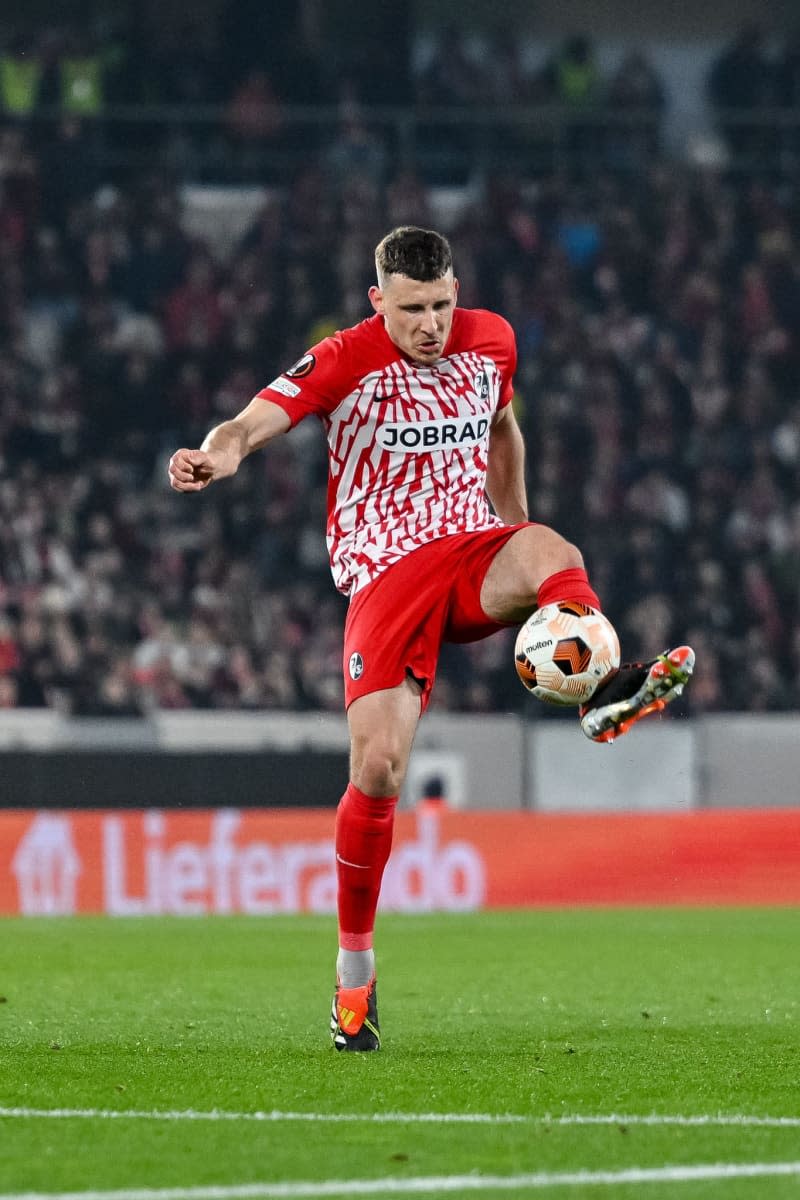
x=657, y=310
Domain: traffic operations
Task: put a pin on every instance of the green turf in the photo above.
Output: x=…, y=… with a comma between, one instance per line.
x=532, y=1013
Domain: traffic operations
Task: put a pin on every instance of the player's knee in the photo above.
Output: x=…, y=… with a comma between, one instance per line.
x=551, y=553
x=377, y=768
x=558, y=554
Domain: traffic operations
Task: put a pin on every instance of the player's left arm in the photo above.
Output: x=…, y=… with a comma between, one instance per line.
x=505, y=473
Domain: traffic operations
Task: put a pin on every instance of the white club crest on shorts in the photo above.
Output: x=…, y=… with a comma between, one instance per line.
x=356, y=665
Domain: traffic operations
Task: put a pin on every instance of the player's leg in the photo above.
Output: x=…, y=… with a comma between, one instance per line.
x=382, y=726
x=536, y=566
x=392, y=638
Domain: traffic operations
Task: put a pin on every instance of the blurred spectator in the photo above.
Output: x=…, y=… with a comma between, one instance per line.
x=510, y=89
x=635, y=91
x=254, y=120
x=20, y=194
x=508, y=79
x=571, y=79
x=739, y=84
x=193, y=317
x=70, y=168
x=407, y=200
x=787, y=72
x=253, y=110
x=739, y=77
x=453, y=78
x=355, y=150
x=20, y=77
x=81, y=70
x=454, y=75
x=186, y=56
x=159, y=252
x=111, y=693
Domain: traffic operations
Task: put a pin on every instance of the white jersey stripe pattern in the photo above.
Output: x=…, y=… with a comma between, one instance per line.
x=408, y=444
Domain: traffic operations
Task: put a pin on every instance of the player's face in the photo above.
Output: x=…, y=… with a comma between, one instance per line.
x=418, y=315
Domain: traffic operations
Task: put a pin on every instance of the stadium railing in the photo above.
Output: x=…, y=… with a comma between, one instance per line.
x=446, y=145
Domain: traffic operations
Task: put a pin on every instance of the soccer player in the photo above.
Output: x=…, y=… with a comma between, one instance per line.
x=429, y=537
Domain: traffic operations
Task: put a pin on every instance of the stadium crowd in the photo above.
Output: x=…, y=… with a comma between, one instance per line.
x=263, y=87
x=658, y=322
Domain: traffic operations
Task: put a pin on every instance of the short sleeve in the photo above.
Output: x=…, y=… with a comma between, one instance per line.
x=506, y=361
x=313, y=386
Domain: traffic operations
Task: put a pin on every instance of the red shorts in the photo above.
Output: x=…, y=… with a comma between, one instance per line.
x=396, y=625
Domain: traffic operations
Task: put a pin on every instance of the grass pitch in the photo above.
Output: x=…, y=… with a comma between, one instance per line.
x=506, y=1037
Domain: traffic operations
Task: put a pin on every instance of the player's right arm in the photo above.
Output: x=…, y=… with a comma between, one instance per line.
x=226, y=445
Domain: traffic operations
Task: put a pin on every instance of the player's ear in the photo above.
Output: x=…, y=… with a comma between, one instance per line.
x=376, y=298
x=455, y=291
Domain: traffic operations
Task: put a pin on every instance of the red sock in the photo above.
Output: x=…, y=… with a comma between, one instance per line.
x=364, y=827
x=572, y=584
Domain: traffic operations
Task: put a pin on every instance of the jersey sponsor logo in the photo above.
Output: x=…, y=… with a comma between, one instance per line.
x=304, y=366
x=415, y=437
x=356, y=665
x=284, y=387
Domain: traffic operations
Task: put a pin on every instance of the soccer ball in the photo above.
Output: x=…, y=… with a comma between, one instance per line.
x=564, y=650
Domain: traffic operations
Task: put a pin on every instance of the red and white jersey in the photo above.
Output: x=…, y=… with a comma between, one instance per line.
x=407, y=443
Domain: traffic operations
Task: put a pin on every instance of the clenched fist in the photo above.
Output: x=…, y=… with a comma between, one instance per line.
x=192, y=470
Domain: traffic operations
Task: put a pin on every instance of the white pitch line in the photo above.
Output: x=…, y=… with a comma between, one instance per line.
x=437, y=1184
x=714, y=1120
x=189, y=1114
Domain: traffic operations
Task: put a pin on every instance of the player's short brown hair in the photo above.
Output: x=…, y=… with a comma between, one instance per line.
x=421, y=254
